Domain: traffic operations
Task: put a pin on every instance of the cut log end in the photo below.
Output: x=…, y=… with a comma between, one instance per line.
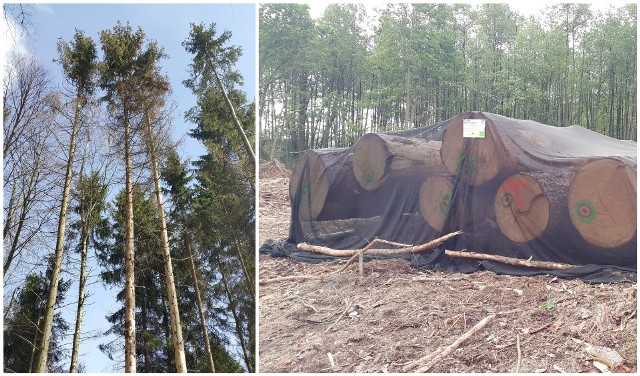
x=370, y=156
x=435, y=200
x=602, y=203
x=522, y=209
x=482, y=160
x=377, y=156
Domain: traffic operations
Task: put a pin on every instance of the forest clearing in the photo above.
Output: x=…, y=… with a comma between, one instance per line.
x=396, y=314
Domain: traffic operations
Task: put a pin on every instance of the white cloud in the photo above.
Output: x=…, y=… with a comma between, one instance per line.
x=12, y=41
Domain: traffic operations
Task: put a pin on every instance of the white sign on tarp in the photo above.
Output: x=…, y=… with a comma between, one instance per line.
x=473, y=128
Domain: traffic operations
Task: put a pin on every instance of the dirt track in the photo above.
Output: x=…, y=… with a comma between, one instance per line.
x=396, y=314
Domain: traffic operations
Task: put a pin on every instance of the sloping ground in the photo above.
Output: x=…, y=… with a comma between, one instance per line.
x=396, y=314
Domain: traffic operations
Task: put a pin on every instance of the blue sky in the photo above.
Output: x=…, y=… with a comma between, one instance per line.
x=169, y=25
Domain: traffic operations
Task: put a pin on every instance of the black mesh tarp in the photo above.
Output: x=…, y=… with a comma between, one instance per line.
x=516, y=188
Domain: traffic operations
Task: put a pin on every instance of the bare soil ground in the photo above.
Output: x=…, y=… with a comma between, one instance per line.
x=396, y=314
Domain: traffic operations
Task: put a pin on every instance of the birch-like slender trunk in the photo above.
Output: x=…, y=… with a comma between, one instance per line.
x=47, y=326
x=174, y=313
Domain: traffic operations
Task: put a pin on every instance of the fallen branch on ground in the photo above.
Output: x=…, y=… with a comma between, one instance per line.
x=451, y=348
x=299, y=278
x=509, y=260
x=359, y=253
x=378, y=251
x=425, y=358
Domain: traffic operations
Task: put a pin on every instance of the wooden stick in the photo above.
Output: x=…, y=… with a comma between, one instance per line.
x=339, y=317
x=451, y=348
x=519, y=353
x=296, y=278
x=509, y=260
x=374, y=241
x=425, y=358
x=350, y=252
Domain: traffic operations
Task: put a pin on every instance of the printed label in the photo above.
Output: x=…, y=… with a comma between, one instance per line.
x=473, y=128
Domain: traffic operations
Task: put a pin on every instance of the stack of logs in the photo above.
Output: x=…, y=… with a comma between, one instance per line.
x=598, y=194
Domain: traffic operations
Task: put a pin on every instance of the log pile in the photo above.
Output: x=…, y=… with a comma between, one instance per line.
x=532, y=184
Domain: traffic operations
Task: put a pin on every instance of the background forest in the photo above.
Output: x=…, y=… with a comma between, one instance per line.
x=325, y=82
x=97, y=192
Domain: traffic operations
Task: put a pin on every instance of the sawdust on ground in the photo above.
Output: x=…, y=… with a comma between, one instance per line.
x=396, y=314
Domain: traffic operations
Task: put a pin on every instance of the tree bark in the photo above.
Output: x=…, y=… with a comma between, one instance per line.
x=57, y=266
x=174, y=312
x=130, y=294
x=203, y=321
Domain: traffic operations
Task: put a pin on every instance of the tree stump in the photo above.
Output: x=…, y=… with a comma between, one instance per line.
x=602, y=202
x=481, y=159
x=435, y=200
x=377, y=156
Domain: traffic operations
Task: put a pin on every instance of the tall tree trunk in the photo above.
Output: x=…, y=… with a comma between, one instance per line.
x=81, y=296
x=174, y=312
x=129, y=287
x=57, y=266
x=203, y=322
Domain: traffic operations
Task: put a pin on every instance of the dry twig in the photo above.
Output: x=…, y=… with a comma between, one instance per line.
x=458, y=342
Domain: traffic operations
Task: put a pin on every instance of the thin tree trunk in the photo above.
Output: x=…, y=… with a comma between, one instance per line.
x=203, y=322
x=174, y=312
x=245, y=140
x=81, y=296
x=23, y=217
x=57, y=266
x=245, y=269
x=236, y=319
x=146, y=356
x=33, y=345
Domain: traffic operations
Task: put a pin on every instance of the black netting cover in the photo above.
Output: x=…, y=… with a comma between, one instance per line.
x=516, y=188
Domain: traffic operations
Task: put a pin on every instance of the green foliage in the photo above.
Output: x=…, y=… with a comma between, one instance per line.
x=21, y=327
x=214, y=119
x=126, y=64
x=549, y=304
x=79, y=62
